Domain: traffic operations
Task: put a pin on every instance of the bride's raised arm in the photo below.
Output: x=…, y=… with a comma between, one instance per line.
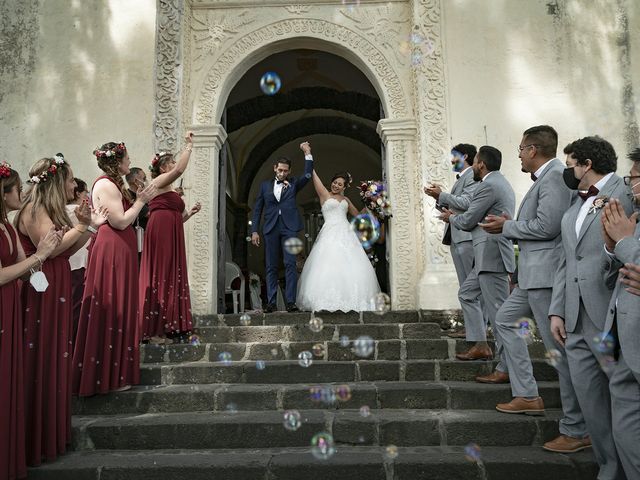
x=321, y=190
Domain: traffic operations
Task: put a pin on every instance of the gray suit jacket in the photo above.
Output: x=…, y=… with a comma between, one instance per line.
x=580, y=271
x=458, y=201
x=628, y=305
x=537, y=227
x=494, y=195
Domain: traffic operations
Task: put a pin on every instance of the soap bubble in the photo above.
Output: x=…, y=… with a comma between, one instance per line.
x=365, y=411
x=322, y=446
x=293, y=245
x=363, y=346
x=292, y=420
x=553, y=357
x=391, y=452
x=194, y=339
x=325, y=394
x=344, y=341
x=526, y=329
x=343, y=393
x=381, y=303
x=472, y=452
x=604, y=343
x=316, y=324
x=318, y=350
x=366, y=228
x=305, y=358
x=245, y=319
x=270, y=83
x=224, y=358
x=232, y=408
x=260, y=365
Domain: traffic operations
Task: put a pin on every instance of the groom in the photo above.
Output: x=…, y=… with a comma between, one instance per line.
x=281, y=221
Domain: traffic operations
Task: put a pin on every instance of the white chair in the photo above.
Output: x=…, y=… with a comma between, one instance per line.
x=254, y=291
x=231, y=272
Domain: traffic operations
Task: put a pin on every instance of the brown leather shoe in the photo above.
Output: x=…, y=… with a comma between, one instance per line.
x=567, y=444
x=476, y=353
x=494, y=377
x=522, y=405
x=459, y=334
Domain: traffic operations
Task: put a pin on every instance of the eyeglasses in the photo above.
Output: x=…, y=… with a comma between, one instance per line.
x=627, y=180
x=521, y=148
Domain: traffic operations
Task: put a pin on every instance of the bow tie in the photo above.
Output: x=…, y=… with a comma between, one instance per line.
x=533, y=177
x=457, y=176
x=279, y=181
x=592, y=192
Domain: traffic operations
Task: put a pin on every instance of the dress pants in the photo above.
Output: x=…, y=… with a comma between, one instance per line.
x=591, y=384
x=625, y=409
x=494, y=288
x=274, y=246
x=462, y=255
x=535, y=303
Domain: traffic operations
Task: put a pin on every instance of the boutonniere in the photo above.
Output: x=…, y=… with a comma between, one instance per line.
x=598, y=203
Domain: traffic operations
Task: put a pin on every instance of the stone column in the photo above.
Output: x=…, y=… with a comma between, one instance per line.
x=202, y=232
x=399, y=137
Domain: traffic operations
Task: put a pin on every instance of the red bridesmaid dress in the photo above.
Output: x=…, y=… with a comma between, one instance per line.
x=165, y=302
x=47, y=359
x=12, y=435
x=106, y=356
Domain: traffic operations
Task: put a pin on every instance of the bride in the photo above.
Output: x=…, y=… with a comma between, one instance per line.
x=337, y=275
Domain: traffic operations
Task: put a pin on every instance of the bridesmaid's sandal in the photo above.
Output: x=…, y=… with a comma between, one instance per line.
x=157, y=341
x=124, y=388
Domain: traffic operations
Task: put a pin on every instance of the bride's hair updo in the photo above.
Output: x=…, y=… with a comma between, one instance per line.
x=346, y=176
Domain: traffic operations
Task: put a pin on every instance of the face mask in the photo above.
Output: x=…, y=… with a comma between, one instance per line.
x=570, y=179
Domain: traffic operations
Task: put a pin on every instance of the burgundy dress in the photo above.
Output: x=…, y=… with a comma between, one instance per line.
x=12, y=434
x=106, y=354
x=47, y=359
x=165, y=303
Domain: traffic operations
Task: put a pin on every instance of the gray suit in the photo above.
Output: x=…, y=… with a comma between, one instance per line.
x=493, y=254
x=624, y=384
x=461, y=246
x=581, y=297
x=537, y=230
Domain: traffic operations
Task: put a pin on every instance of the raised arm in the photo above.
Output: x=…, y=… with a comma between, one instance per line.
x=107, y=195
x=171, y=176
x=302, y=181
x=321, y=190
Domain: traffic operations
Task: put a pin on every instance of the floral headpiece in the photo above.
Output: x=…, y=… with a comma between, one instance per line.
x=5, y=170
x=52, y=170
x=156, y=159
x=118, y=151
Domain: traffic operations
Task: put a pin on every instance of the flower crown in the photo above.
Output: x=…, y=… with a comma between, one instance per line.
x=52, y=170
x=156, y=159
x=118, y=151
x=5, y=170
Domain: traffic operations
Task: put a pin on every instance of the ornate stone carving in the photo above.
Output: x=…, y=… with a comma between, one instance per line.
x=298, y=9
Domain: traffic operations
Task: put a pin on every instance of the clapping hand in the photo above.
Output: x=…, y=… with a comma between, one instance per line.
x=83, y=213
x=433, y=190
x=49, y=242
x=99, y=216
x=494, y=223
x=148, y=193
x=446, y=213
x=616, y=223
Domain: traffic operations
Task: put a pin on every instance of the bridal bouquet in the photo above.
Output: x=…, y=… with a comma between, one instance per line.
x=374, y=195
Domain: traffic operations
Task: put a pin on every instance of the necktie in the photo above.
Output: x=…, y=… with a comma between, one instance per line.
x=533, y=177
x=592, y=192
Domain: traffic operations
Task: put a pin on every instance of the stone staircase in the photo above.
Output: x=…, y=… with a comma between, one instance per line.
x=214, y=409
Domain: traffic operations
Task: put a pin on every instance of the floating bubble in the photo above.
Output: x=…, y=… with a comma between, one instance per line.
x=62, y=299
x=231, y=408
x=525, y=329
x=604, y=343
x=365, y=411
x=260, y=365
x=248, y=239
x=363, y=346
x=318, y=350
x=315, y=394
x=381, y=303
x=305, y=358
x=322, y=446
x=366, y=228
x=607, y=363
x=472, y=452
x=293, y=245
x=245, y=319
x=343, y=393
x=292, y=420
x=553, y=357
x=324, y=394
x=270, y=83
x=344, y=341
x=274, y=352
x=224, y=358
x=194, y=339
x=391, y=452
x=316, y=324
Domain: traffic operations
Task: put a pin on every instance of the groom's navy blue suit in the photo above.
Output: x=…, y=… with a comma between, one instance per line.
x=281, y=221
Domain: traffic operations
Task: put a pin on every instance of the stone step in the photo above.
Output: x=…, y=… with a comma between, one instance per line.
x=410, y=349
x=349, y=462
x=265, y=429
x=302, y=332
x=375, y=395
x=320, y=371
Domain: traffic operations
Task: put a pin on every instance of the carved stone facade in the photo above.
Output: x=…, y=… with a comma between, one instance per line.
x=221, y=40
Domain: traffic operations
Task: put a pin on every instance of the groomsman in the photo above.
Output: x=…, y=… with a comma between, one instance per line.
x=537, y=231
x=622, y=244
x=462, y=156
x=493, y=254
x=580, y=293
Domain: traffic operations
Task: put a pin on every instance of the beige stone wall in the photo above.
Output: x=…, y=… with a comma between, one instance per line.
x=75, y=74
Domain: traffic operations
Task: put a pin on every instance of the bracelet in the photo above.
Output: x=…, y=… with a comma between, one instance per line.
x=80, y=230
x=40, y=261
x=188, y=148
x=91, y=229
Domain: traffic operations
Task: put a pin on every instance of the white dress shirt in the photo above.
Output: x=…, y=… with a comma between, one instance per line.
x=277, y=189
x=586, y=205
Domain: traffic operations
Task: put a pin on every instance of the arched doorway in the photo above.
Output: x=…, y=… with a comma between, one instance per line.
x=324, y=99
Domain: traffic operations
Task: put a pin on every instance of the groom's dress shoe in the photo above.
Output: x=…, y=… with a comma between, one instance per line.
x=522, y=405
x=567, y=444
x=494, y=377
x=270, y=308
x=476, y=353
x=292, y=307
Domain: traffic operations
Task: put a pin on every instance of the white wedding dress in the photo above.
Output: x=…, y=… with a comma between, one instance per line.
x=337, y=274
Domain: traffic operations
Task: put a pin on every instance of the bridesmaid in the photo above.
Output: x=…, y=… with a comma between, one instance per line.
x=106, y=356
x=13, y=265
x=165, y=303
x=47, y=317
